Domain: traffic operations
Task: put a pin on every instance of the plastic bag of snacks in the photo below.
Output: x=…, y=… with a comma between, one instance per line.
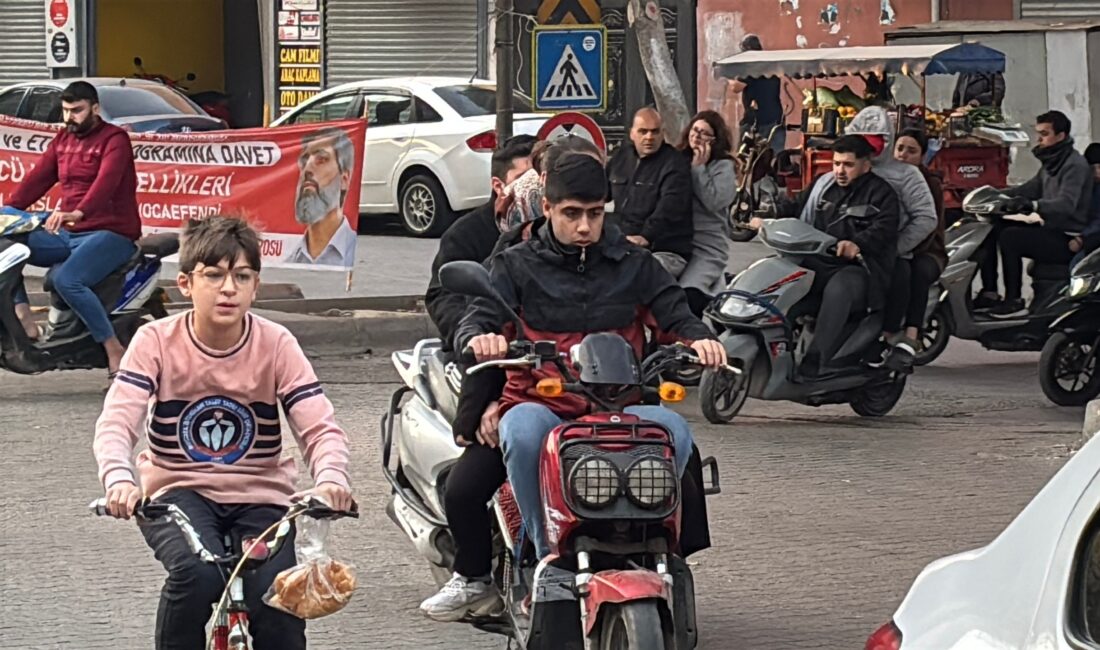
x=318, y=585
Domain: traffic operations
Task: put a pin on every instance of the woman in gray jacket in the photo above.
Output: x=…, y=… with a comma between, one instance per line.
x=713, y=181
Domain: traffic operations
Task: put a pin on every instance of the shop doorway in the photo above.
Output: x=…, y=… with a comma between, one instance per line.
x=210, y=49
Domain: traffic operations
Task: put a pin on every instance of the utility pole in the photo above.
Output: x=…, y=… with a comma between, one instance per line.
x=505, y=49
x=645, y=17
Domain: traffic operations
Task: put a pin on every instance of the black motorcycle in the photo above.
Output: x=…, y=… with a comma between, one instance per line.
x=1067, y=367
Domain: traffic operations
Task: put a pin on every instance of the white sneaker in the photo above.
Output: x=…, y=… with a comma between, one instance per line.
x=460, y=598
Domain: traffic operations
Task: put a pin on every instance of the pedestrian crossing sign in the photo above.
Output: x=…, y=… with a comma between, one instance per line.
x=569, y=68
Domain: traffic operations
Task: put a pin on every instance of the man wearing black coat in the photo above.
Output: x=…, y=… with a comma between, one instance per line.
x=861, y=210
x=651, y=187
x=473, y=236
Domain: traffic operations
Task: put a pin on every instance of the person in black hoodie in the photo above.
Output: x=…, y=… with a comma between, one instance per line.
x=1061, y=194
x=473, y=235
x=862, y=211
x=651, y=187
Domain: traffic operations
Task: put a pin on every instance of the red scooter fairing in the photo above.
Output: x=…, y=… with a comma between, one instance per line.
x=612, y=587
x=600, y=435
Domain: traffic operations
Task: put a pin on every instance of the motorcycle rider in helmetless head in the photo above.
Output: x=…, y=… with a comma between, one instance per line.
x=575, y=277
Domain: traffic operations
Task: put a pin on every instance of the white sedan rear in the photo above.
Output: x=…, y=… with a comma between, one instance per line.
x=1035, y=587
x=429, y=143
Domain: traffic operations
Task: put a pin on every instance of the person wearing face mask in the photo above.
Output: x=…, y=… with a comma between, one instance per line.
x=1060, y=193
x=913, y=277
x=325, y=167
x=93, y=232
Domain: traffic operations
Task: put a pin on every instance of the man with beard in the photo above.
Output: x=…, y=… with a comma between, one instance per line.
x=325, y=165
x=93, y=232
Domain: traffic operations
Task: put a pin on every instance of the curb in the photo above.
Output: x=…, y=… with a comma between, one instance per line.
x=354, y=332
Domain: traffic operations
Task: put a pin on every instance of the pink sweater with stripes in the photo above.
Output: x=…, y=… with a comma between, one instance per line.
x=210, y=418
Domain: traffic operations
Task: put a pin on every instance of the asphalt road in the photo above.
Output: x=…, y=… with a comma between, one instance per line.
x=824, y=520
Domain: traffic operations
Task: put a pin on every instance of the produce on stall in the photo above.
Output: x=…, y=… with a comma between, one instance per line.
x=971, y=144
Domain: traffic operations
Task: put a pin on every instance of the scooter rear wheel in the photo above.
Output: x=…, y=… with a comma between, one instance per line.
x=877, y=400
x=722, y=395
x=1067, y=375
x=632, y=626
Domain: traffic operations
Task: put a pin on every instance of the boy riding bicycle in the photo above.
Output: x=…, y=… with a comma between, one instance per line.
x=216, y=376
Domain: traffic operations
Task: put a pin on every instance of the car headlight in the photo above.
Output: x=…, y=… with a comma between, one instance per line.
x=1079, y=285
x=596, y=482
x=738, y=307
x=650, y=482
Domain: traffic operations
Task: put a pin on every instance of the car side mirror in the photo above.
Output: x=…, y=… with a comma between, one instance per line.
x=472, y=279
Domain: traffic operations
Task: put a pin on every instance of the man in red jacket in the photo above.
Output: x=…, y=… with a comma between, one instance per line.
x=93, y=232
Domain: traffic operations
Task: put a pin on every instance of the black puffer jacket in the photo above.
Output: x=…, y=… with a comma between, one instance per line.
x=865, y=212
x=562, y=293
x=471, y=238
x=652, y=197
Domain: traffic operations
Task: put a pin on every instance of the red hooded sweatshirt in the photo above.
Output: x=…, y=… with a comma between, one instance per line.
x=96, y=172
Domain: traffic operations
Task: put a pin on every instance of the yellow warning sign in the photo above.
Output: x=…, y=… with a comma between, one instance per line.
x=569, y=12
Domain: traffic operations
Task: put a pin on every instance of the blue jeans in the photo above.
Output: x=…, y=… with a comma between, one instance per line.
x=523, y=430
x=83, y=260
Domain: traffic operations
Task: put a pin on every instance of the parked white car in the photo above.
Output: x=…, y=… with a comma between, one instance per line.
x=1035, y=587
x=429, y=143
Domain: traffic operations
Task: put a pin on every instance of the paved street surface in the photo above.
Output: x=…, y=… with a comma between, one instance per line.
x=824, y=520
x=823, y=523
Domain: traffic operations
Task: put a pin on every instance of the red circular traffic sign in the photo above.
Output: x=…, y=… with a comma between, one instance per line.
x=59, y=12
x=573, y=124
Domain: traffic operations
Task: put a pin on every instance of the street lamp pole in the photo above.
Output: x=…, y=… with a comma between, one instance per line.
x=505, y=49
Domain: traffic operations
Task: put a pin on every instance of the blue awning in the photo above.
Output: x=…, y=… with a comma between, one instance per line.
x=959, y=58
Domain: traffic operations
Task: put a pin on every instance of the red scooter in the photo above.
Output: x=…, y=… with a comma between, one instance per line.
x=616, y=578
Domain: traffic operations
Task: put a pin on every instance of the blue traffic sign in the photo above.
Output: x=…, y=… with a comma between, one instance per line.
x=569, y=68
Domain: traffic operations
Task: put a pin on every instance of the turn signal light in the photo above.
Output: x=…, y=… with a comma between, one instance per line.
x=550, y=388
x=483, y=142
x=887, y=637
x=671, y=392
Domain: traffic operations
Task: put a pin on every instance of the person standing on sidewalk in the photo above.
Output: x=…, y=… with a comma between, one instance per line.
x=93, y=232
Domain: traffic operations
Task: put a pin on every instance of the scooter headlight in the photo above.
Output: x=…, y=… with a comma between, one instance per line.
x=738, y=308
x=650, y=482
x=1079, y=285
x=596, y=482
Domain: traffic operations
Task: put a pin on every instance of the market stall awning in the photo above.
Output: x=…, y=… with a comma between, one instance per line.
x=836, y=61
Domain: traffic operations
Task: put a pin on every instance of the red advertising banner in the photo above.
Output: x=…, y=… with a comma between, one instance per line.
x=298, y=185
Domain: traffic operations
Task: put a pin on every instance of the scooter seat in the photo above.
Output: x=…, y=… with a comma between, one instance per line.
x=159, y=245
x=1049, y=272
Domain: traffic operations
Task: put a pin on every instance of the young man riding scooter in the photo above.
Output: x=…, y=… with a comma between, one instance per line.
x=572, y=278
x=93, y=232
x=861, y=210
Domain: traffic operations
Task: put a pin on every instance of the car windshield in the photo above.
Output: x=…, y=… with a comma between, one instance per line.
x=471, y=101
x=135, y=101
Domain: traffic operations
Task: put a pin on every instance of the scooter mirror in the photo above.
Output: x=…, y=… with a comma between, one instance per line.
x=472, y=279
x=468, y=278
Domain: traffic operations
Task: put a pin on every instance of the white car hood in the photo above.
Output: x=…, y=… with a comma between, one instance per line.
x=1013, y=593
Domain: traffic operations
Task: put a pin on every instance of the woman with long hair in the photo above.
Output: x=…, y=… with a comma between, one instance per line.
x=708, y=144
x=913, y=277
